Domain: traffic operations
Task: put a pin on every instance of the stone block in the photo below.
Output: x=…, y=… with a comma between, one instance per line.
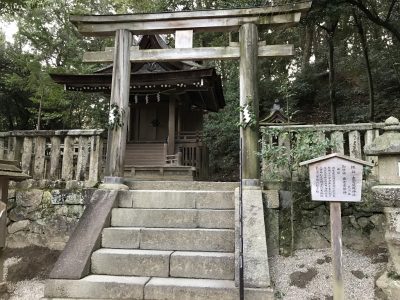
x=126, y=217
x=86, y=237
x=18, y=226
x=272, y=231
x=125, y=262
x=310, y=238
x=215, y=200
x=57, y=197
x=176, y=199
x=179, y=185
x=363, y=222
x=11, y=193
x=216, y=218
x=255, y=254
x=30, y=198
x=387, y=195
x=97, y=287
x=272, y=198
x=389, y=286
x=194, y=289
x=125, y=238
x=157, y=199
x=73, y=198
x=188, y=239
x=210, y=265
x=74, y=184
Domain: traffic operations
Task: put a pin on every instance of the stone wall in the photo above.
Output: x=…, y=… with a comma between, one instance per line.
x=44, y=213
x=363, y=223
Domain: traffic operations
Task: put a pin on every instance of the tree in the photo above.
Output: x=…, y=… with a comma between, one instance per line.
x=364, y=46
x=383, y=13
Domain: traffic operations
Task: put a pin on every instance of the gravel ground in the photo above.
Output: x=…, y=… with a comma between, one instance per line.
x=25, y=270
x=27, y=290
x=307, y=275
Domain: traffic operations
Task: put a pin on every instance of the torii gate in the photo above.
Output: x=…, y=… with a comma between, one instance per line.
x=184, y=24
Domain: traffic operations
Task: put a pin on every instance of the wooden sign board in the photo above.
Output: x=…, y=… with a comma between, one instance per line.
x=336, y=178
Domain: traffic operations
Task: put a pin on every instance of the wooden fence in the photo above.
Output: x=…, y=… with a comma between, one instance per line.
x=194, y=154
x=348, y=139
x=56, y=154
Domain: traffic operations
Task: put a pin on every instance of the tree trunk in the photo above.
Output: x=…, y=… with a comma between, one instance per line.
x=308, y=43
x=364, y=47
x=332, y=83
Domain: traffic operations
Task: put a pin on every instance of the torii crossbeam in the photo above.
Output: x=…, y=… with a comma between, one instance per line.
x=184, y=24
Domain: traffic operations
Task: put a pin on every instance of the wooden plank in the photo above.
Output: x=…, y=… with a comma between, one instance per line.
x=55, y=155
x=249, y=100
x=197, y=14
x=179, y=54
x=68, y=158
x=38, y=167
x=184, y=39
x=116, y=144
x=26, y=159
x=197, y=25
x=355, y=144
x=336, y=243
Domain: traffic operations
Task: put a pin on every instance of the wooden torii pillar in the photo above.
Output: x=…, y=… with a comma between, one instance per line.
x=246, y=21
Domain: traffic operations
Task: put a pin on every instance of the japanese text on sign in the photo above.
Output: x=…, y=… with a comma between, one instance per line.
x=336, y=180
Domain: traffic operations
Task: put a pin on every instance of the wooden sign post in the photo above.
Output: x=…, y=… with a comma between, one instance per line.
x=336, y=178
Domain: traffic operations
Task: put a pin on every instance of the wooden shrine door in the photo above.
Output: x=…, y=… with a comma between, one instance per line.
x=150, y=122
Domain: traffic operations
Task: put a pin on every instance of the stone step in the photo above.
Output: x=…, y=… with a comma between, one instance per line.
x=172, y=218
x=131, y=262
x=177, y=199
x=144, y=288
x=200, y=289
x=210, y=265
x=181, y=185
x=221, y=240
x=97, y=287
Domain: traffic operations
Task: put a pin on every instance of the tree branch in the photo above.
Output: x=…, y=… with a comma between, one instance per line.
x=389, y=13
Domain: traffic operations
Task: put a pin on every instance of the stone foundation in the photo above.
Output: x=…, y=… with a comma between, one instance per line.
x=363, y=223
x=44, y=213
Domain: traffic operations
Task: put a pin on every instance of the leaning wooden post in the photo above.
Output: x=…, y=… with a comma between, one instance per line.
x=248, y=35
x=120, y=86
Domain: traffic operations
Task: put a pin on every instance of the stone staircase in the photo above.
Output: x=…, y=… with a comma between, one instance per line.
x=163, y=244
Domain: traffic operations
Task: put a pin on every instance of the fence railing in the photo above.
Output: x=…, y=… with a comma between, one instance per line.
x=56, y=154
x=348, y=139
x=194, y=154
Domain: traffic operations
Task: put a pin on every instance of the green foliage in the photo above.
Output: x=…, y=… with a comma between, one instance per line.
x=47, y=42
x=300, y=146
x=393, y=275
x=116, y=117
